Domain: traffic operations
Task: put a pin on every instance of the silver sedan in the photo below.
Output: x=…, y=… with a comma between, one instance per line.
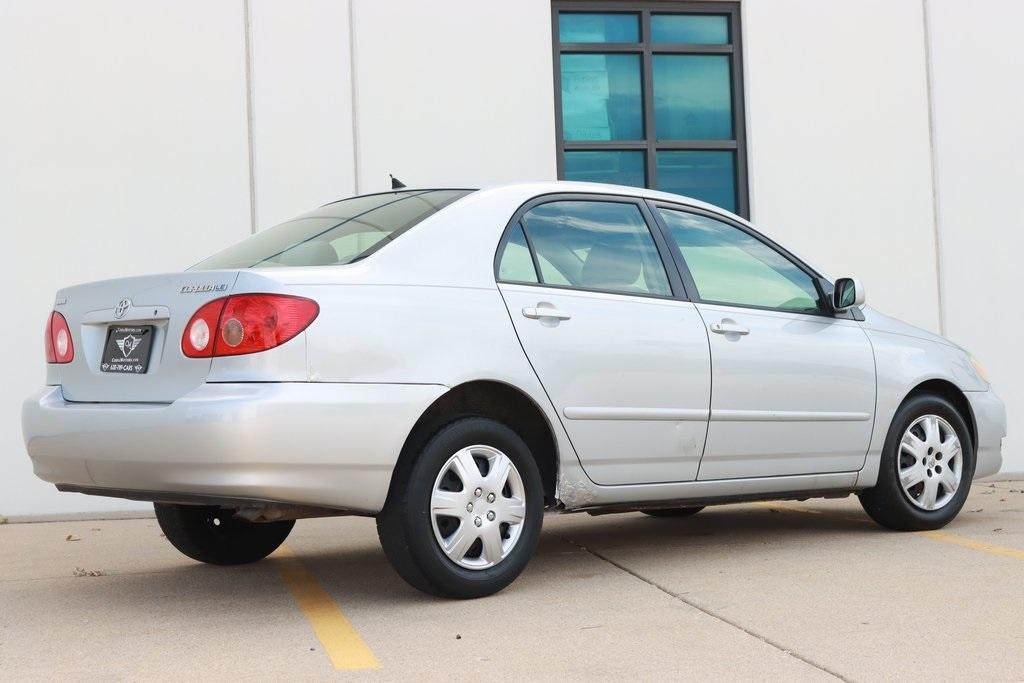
x=454, y=362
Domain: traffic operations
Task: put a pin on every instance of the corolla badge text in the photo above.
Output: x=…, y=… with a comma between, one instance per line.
x=203, y=288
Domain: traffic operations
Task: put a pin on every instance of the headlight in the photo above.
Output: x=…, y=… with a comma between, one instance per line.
x=980, y=369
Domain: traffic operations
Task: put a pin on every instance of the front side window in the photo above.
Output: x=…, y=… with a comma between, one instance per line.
x=600, y=246
x=652, y=97
x=334, y=234
x=729, y=266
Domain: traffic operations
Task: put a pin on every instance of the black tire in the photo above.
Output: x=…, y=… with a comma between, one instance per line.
x=886, y=502
x=674, y=512
x=406, y=530
x=213, y=535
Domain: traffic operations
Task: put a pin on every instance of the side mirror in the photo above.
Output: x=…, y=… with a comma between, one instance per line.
x=848, y=292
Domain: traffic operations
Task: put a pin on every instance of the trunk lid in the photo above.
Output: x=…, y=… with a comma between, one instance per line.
x=165, y=302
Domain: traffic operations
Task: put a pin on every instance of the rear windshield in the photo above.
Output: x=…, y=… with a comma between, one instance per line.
x=335, y=234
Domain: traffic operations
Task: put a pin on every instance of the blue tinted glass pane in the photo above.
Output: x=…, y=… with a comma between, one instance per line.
x=709, y=176
x=692, y=97
x=601, y=97
x=598, y=28
x=617, y=168
x=692, y=29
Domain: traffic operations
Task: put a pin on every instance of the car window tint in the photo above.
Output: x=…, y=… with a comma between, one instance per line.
x=552, y=276
x=351, y=245
x=335, y=234
x=516, y=264
x=730, y=266
x=603, y=246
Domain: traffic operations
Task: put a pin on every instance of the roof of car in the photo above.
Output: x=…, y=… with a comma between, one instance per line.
x=528, y=189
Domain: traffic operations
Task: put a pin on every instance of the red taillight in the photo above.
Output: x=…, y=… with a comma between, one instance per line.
x=59, y=348
x=246, y=323
x=197, y=341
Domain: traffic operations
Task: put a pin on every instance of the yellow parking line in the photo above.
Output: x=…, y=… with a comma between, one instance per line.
x=943, y=536
x=340, y=639
x=947, y=537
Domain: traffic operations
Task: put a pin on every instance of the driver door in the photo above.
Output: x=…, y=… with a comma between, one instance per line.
x=793, y=386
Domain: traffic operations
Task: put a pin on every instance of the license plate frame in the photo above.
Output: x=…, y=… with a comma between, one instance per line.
x=127, y=349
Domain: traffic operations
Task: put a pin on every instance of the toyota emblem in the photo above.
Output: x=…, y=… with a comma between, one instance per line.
x=122, y=307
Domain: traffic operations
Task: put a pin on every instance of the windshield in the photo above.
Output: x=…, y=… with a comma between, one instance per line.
x=335, y=234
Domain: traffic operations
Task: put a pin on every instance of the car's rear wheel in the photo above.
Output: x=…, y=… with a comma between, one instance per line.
x=926, y=467
x=464, y=520
x=675, y=512
x=214, y=535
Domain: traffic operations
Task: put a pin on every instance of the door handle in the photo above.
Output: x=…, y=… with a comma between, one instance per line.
x=728, y=327
x=539, y=312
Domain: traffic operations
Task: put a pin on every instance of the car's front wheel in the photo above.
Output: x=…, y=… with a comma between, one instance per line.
x=926, y=467
x=464, y=520
x=214, y=535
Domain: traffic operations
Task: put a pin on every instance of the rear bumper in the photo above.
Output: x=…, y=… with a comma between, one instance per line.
x=990, y=419
x=331, y=445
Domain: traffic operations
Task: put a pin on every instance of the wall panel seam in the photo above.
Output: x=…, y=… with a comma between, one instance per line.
x=933, y=159
x=352, y=96
x=249, y=114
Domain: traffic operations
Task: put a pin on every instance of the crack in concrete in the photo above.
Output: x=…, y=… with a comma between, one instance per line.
x=71, y=577
x=667, y=591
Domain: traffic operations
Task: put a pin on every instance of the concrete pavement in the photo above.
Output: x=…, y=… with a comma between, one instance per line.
x=786, y=591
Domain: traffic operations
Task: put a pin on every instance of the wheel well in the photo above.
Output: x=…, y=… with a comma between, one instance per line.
x=498, y=401
x=951, y=393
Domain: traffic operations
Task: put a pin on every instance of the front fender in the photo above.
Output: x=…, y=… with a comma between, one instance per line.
x=902, y=363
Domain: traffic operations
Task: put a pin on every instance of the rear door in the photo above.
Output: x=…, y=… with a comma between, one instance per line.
x=624, y=360
x=793, y=386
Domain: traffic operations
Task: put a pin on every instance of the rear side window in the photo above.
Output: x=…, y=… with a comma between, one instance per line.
x=602, y=246
x=516, y=263
x=335, y=234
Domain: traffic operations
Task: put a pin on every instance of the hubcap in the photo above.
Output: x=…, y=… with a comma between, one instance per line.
x=477, y=507
x=930, y=462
